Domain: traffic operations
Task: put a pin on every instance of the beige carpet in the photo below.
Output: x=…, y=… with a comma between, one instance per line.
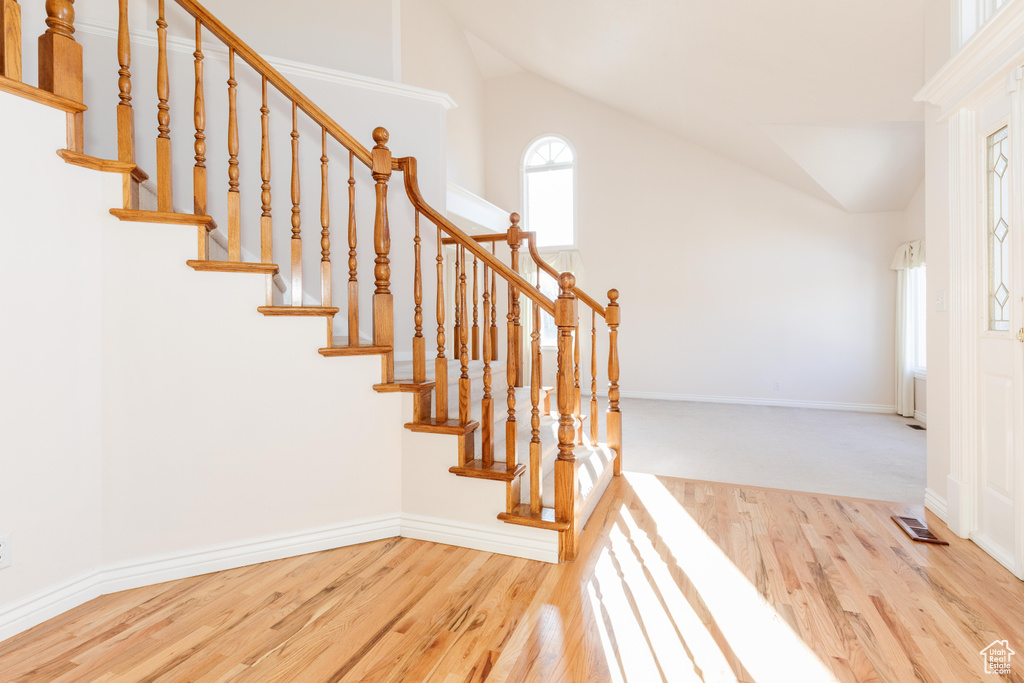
x=840, y=453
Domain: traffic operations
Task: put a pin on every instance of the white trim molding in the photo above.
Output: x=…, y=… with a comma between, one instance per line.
x=508, y=541
x=52, y=601
x=285, y=66
x=744, y=401
x=475, y=209
x=921, y=417
x=936, y=503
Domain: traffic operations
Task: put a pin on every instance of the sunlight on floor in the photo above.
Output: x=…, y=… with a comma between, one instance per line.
x=650, y=587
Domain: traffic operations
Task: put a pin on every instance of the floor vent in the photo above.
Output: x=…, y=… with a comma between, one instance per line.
x=920, y=428
x=917, y=530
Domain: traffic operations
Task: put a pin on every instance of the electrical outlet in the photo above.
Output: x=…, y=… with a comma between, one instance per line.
x=6, y=559
x=777, y=386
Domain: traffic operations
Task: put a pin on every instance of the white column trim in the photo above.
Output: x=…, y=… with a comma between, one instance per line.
x=964, y=221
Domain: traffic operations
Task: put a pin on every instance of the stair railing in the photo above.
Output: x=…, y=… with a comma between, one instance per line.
x=60, y=74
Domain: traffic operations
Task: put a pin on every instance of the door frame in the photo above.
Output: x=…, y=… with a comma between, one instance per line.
x=968, y=269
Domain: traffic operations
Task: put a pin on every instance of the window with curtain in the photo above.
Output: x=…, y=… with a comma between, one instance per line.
x=918, y=302
x=549, y=188
x=911, y=328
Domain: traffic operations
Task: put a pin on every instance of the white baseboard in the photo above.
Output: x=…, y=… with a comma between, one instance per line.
x=998, y=554
x=921, y=417
x=532, y=546
x=784, y=403
x=48, y=603
x=936, y=503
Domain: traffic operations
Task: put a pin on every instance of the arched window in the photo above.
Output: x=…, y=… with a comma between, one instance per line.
x=549, y=188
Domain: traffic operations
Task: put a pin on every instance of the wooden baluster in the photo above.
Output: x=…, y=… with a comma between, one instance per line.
x=296, y=213
x=353, y=263
x=464, y=382
x=419, y=344
x=125, y=114
x=476, y=328
x=10, y=39
x=457, y=320
x=494, y=308
x=578, y=407
x=234, y=197
x=440, y=363
x=383, y=304
x=487, y=404
x=164, y=181
x=566, y=507
x=536, y=474
x=516, y=340
x=60, y=64
x=326, y=283
x=613, y=420
x=593, y=378
x=513, y=364
x=199, y=185
x=266, y=219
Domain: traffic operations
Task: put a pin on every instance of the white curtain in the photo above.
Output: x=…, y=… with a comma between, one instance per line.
x=569, y=260
x=908, y=256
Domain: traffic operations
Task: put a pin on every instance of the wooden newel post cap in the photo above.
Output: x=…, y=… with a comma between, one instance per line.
x=380, y=157
x=514, y=232
x=565, y=305
x=612, y=312
x=381, y=136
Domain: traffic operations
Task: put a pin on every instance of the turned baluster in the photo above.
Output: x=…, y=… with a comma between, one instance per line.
x=125, y=114
x=457, y=320
x=476, y=328
x=487, y=404
x=464, y=382
x=296, y=213
x=513, y=364
x=613, y=419
x=516, y=339
x=593, y=377
x=566, y=507
x=383, y=305
x=440, y=363
x=494, y=308
x=353, y=263
x=199, y=185
x=266, y=219
x=578, y=407
x=234, y=197
x=535, y=381
x=164, y=180
x=10, y=39
x=419, y=344
x=325, y=236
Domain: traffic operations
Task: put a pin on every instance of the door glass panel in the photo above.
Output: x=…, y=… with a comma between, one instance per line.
x=999, y=230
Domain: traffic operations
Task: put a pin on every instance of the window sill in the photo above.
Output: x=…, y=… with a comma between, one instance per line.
x=921, y=374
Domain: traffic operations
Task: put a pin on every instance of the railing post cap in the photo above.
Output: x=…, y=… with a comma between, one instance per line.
x=613, y=296
x=381, y=136
x=567, y=281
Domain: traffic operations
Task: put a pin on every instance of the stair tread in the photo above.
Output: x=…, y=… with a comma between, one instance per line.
x=232, y=267
x=497, y=471
x=166, y=217
x=325, y=311
x=545, y=519
x=364, y=350
x=442, y=427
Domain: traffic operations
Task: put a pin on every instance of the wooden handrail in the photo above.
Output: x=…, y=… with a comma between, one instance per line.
x=531, y=239
x=250, y=57
x=408, y=167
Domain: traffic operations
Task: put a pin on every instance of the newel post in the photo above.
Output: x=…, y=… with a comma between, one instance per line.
x=383, y=304
x=60, y=63
x=10, y=39
x=566, y=505
x=614, y=417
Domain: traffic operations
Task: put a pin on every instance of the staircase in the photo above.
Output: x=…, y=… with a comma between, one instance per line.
x=472, y=368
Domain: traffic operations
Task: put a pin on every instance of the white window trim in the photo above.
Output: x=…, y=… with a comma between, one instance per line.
x=523, y=192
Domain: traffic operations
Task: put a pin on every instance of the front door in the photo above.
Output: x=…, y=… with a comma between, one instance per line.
x=1000, y=354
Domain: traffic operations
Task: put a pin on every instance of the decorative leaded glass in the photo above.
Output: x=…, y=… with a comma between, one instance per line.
x=999, y=230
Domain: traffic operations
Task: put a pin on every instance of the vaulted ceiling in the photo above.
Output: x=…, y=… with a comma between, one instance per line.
x=815, y=93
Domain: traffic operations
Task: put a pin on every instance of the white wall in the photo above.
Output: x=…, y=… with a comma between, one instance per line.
x=49, y=357
x=742, y=280
x=436, y=55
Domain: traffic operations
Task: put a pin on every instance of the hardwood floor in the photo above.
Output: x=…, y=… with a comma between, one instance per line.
x=676, y=581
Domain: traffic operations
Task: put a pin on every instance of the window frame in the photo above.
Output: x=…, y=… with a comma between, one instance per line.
x=524, y=189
